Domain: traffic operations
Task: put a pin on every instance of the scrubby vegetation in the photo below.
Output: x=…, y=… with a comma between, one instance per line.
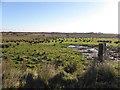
x=46, y=76
x=42, y=61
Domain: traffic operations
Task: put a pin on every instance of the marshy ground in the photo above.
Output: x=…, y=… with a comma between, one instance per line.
x=53, y=61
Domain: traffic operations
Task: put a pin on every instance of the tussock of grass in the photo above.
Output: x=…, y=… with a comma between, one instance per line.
x=97, y=75
x=44, y=64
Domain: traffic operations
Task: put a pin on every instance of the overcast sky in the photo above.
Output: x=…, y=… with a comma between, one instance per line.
x=60, y=16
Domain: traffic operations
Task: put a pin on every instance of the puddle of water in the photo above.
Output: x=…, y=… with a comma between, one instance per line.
x=86, y=50
x=71, y=46
x=92, y=52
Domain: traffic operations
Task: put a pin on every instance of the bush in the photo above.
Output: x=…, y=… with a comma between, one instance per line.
x=105, y=76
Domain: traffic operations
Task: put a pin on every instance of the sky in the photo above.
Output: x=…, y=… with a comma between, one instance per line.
x=60, y=16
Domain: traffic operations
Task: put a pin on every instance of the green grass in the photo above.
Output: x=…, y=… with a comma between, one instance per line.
x=47, y=61
x=92, y=42
x=43, y=52
x=37, y=55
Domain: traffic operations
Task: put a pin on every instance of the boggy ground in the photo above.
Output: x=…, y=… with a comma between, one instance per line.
x=44, y=61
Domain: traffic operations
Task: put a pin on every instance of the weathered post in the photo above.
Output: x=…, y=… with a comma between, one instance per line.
x=104, y=48
x=101, y=51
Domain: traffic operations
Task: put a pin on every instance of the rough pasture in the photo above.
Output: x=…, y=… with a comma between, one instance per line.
x=44, y=60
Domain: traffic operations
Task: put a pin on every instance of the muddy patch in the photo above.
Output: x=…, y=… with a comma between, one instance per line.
x=91, y=52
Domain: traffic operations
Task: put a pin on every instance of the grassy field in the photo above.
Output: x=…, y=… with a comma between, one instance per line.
x=45, y=61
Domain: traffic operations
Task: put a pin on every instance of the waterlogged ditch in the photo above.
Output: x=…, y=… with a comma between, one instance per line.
x=91, y=52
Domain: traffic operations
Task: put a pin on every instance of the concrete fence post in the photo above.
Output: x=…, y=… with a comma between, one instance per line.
x=101, y=51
